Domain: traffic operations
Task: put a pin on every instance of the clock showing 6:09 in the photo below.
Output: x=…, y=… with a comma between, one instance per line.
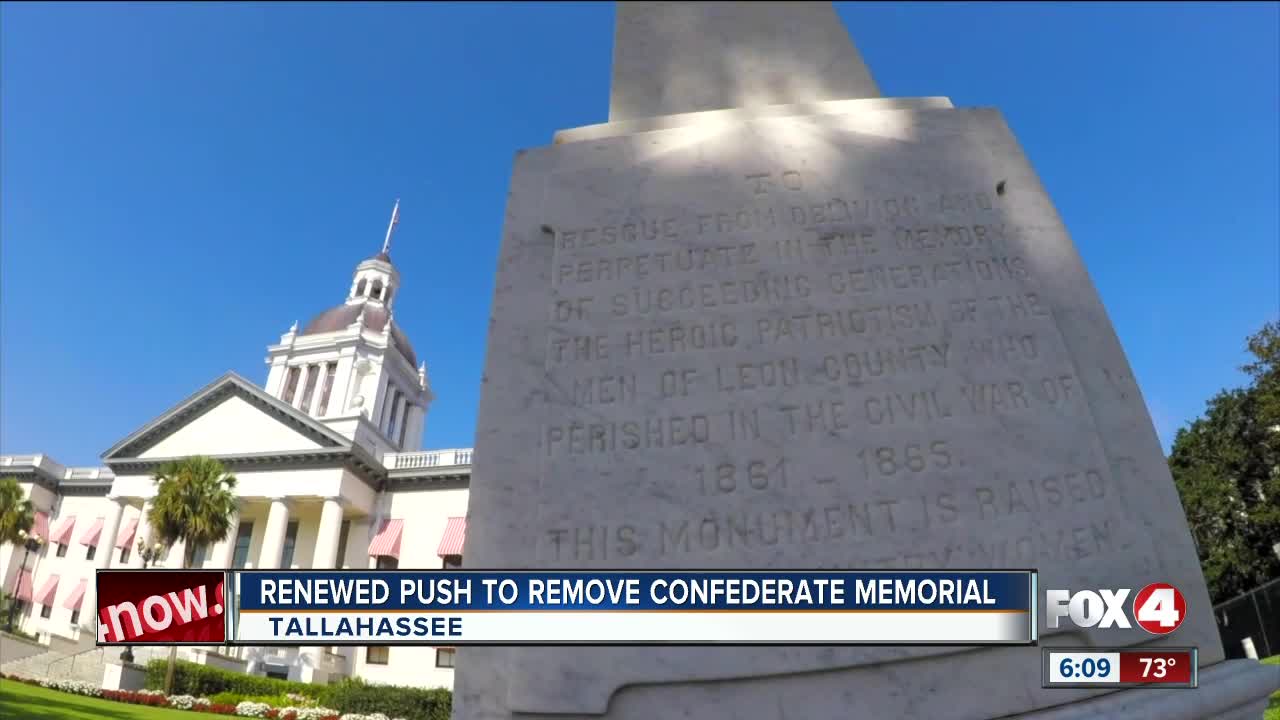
x=1120, y=667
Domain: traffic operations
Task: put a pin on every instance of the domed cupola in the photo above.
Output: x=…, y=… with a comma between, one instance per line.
x=353, y=359
x=376, y=279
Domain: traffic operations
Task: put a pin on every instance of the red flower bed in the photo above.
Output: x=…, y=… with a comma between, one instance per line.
x=136, y=698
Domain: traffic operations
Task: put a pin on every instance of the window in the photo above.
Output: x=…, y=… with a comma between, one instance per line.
x=360, y=287
x=75, y=616
x=290, y=542
x=444, y=657
x=124, y=554
x=291, y=384
x=46, y=611
x=309, y=389
x=277, y=672
x=376, y=292
x=386, y=562
x=331, y=369
x=452, y=562
x=61, y=550
x=93, y=550
x=388, y=407
x=241, y=554
x=342, y=544
x=404, y=423
x=377, y=654
x=198, y=557
x=395, y=415
x=20, y=608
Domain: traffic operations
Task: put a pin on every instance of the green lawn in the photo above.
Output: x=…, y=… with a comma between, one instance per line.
x=28, y=702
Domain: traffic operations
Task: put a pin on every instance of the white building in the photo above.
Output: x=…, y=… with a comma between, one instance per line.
x=330, y=474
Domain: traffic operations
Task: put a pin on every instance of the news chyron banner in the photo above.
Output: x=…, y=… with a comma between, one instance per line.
x=490, y=607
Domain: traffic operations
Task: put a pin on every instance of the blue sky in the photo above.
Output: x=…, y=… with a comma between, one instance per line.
x=181, y=182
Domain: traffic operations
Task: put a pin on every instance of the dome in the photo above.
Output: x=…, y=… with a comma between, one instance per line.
x=380, y=257
x=375, y=318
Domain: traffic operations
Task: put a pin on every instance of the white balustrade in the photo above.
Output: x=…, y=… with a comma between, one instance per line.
x=458, y=457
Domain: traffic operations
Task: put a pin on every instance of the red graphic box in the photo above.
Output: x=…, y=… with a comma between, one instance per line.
x=165, y=607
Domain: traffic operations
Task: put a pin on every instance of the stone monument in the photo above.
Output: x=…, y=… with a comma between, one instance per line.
x=766, y=318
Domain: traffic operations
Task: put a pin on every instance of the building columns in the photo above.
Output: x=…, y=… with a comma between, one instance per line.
x=110, y=529
x=224, y=553
x=273, y=537
x=326, y=556
x=328, y=535
x=106, y=549
x=142, y=532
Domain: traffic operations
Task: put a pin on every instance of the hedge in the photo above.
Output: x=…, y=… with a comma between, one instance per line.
x=348, y=696
x=204, y=680
x=412, y=703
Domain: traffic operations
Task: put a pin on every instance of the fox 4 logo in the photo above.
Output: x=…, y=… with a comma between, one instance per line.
x=1157, y=608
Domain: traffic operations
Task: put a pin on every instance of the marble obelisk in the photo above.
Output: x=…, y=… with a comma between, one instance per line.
x=864, y=318
x=676, y=57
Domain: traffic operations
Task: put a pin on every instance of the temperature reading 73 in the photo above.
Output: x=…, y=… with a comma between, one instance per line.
x=1156, y=667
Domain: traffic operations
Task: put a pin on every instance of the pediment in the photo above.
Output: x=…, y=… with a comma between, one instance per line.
x=229, y=417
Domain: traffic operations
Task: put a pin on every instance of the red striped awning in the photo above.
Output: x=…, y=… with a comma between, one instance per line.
x=455, y=531
x=94, y=533
x=125, y=538
x=24, y=586
x=41, y=527
x=62, y=535
x=387, y=542
x=77, y=595
x=47, y=591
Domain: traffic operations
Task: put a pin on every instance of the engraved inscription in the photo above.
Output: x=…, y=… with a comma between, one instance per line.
x=646, y=434
x=679, y=338
x=631, y=268
x=617, y=389
x=643, y=230
x=911, y=458
x=895, y=324
x=727, y=478
x=747, y=376
x=1084, y=542
x=778, y=328
x=767, y=289
x=905, y=407
x=853, y=368
x=850, y=522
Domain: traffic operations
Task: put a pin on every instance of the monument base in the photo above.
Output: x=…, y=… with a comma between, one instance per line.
x=804, y=295
x=1229, y=690
x=117, y=675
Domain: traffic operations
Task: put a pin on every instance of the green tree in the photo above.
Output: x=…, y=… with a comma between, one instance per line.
x=1227, y=469
x=16, y=518
x=194, y=502
x=16, y=513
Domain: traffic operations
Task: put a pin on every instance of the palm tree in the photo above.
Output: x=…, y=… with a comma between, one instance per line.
x=194, y=502
x=16, y=518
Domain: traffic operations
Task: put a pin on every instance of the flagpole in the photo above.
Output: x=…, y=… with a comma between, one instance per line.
x=391, y=227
